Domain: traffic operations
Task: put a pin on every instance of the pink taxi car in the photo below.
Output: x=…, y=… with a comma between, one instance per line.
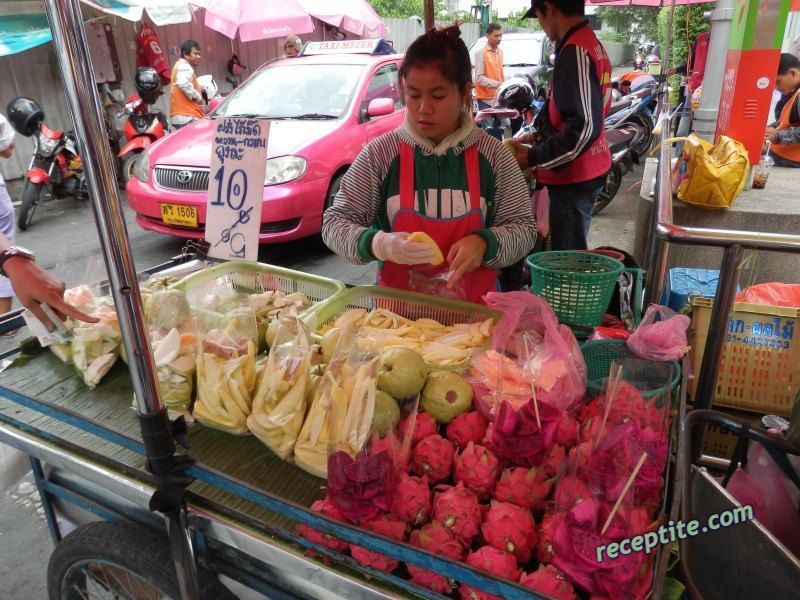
x=324, y=109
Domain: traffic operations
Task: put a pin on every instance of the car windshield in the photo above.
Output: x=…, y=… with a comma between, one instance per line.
x=297, y=91
x=516, y=51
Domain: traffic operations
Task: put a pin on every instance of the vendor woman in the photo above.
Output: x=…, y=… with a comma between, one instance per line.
x=439, y=174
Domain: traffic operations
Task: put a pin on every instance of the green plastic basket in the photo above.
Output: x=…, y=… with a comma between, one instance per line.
x=650, y=376
x=578, y=285
x=410, y=305
x=242, y=277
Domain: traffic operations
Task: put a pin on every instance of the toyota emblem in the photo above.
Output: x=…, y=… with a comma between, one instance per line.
x=184, y=176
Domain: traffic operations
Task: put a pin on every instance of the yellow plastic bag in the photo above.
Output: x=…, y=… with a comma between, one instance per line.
x=713, y=175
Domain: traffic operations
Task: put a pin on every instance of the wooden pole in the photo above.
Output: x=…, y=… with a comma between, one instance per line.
x=428, y=13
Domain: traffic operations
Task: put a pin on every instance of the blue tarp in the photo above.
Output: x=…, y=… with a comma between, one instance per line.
x=22, y=31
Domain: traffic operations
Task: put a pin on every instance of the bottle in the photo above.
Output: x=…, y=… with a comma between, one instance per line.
x=761, y=172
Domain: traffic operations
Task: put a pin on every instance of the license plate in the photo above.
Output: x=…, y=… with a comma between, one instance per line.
x=179, y=214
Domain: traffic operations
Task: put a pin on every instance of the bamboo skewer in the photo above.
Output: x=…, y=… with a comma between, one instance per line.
x=625, y=489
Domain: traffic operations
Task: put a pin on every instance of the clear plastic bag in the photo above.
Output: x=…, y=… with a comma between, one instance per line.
x=279, y=403
x=540, y=202
x=530, y=351
x=435, y=282
x=226, y=373
x=661, y=335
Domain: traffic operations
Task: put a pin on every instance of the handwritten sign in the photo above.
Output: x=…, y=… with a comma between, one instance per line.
x=236, y=187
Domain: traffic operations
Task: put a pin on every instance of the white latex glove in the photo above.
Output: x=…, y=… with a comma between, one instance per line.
x=394, y=247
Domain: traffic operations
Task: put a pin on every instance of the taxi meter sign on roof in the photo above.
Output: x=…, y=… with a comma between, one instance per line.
x=341, y=47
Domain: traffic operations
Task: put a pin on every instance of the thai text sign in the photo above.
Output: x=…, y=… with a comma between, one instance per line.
x=236, y=187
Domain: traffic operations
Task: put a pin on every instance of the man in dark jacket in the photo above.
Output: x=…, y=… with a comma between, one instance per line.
x=570, y=153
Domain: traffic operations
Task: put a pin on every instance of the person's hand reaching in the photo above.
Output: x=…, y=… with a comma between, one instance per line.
x=465, y=256
x=33, y=286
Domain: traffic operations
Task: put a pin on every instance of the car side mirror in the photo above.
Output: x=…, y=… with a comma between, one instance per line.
x=214, y=103
x=380, y=107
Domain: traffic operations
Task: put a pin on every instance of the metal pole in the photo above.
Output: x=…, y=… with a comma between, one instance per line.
x=427, y=10
x=705, y=118
x=656, y=265
x=72, y=54
x=83, y=99
x=712, y=354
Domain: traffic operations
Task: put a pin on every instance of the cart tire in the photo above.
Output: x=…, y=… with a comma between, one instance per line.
x=119, y=554
x=30, y=197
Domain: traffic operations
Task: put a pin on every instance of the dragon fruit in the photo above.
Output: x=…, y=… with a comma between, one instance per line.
x=544, y=547
x=478, y=469
x=458, y=509
x=433, y=457
x=567, y=431
x=467, y=427
x=570, y=491
x=511, y=528
x=412, y=500
x=328, y=508
x=399, y=452
x=434, y=538
x=550, y=581
x=528, y=488
x=494, y=561
x=424, y=425
x=553, y=459
x=518, y=439
x=388, y=526
x=361, y=487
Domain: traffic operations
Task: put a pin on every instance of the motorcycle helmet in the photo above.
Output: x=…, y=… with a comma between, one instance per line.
x=515, y=93
x=24, y=115
x=147, y=83
x=208, y=86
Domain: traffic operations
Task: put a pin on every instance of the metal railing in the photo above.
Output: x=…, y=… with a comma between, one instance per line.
x=733, y=242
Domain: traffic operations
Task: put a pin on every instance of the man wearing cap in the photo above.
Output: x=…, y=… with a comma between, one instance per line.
x=569, y=153
x=292, y=46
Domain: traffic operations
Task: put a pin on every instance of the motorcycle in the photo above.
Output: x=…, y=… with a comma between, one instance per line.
x=639, y=61
x=622, y=143
x=55, y=166
x=636, y=107
x=143, y=126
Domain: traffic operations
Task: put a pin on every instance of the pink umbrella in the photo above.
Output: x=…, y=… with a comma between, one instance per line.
x=656, y=3
x=355, y=16
x=256, y=19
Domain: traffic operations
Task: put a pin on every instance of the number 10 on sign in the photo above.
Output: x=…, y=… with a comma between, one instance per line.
x=236, y=188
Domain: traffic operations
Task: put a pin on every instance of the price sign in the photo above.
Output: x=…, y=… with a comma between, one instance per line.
x=236, y=187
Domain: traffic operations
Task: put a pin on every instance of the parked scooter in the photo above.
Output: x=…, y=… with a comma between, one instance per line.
x=639, y=60
x=623, y=143
x=635, y=107
x=144, y=126
x=56, y=165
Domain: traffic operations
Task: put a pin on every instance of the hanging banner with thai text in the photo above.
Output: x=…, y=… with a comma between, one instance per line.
x=236, y=187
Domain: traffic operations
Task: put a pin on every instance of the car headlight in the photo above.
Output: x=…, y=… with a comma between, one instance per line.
x=284, y=169
x=141, y=167
x=46, y=145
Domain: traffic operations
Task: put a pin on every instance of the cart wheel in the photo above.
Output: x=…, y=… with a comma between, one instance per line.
x=119, y=560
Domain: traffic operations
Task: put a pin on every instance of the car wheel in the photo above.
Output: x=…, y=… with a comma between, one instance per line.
x=336, y=185
x=126, y=170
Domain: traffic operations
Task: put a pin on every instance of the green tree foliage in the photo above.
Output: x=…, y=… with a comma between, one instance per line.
x=637, y=23
x=688, y=23
x=403, y=9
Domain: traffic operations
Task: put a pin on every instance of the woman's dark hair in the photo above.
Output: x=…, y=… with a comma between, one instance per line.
x=188, y=46
x=788, y=62
x=443, y=48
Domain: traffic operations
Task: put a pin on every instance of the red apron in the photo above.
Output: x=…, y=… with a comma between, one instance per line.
x=445, y=232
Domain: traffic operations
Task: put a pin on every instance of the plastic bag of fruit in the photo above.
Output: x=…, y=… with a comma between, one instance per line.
x=226, y=372
x=531, y=355
x=279, y=403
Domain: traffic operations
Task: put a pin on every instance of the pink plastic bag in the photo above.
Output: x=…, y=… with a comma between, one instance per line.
x=661, y=335
x=540, y=201
x=762, y=485
x=529, y=340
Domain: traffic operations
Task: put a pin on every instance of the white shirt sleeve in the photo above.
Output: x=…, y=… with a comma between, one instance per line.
x=6, y=134
x=184, y=79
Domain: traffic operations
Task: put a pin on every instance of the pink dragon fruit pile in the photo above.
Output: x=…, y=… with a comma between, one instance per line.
x=519, y=498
